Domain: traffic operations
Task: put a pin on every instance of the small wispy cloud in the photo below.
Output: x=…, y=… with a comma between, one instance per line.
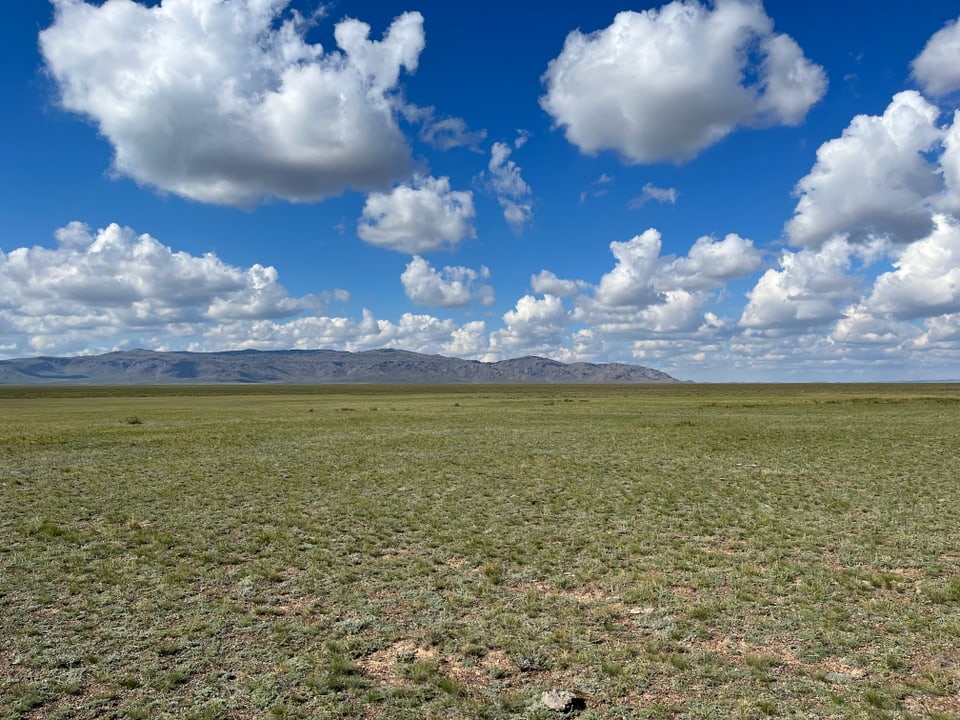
x=513, y=193
x=597, y=188
x=652, y=192
x=445, y=133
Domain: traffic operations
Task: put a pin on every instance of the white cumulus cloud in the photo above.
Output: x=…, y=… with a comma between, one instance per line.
x=420, y=218
x=468, y=341
x=807, y=291
x=114, y=282
x=926, y=278
x=630, y=282
x=711, y=262
x=937, y=67
x=418, y=333
x=874, y=179
x=546, y=283
x=950, y=168
x=450, y=287
x=664, y=84
x=648, y=292
x=860, y=327
x=944, y=329
x=641, y=274
x=225, y=102
x=532, y=326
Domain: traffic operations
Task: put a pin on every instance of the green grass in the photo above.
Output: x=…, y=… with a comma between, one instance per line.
x=452, y=552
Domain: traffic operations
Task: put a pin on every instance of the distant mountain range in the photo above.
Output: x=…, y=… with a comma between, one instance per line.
x=146, y=367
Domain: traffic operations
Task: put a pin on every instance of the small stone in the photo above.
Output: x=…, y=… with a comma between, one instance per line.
x=839, y=677
x=562, y=701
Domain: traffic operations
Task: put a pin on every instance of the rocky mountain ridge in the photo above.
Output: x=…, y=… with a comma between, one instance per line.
x=147, y=367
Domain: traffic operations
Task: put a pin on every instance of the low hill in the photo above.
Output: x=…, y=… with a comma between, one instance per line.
x=308, y=366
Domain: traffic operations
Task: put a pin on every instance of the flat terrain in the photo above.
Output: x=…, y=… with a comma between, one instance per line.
x=426, y=552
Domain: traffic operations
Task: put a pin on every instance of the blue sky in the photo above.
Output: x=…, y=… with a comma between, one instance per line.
x=727, y=191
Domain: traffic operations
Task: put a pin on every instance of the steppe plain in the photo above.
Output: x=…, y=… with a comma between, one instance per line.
x=695, y=551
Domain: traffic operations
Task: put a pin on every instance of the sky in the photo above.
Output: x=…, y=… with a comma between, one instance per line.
x=726, y=191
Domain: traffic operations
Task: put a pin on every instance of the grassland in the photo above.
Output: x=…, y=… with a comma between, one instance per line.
x=452, y=552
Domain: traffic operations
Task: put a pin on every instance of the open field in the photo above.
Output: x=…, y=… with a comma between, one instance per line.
x=452, y=552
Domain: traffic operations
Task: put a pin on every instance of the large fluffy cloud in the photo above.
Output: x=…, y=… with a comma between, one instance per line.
x=534, y=325
x=711, y=262
x=950, y=167
x=924, y=285
x=450, y=287
x=943, y=330
x=938, y=66
x=906, y=319
x=225, y=102
x=859, y=327
x=631, y=281
x=874, y=179
x=114, y=282
x=665, y=84
x=468, y=341
x=420, y=218
x=925, y=281
x=646, y=292
x=808, y=289
x=641, y=275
